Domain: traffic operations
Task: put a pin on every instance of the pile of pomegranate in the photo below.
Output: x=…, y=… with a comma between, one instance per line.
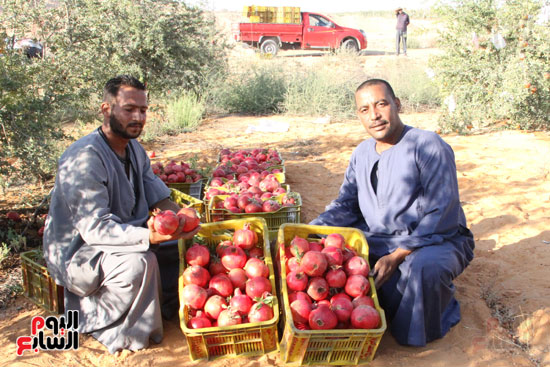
x=245, y=161
x=328, y=286
x=173, y=172
x=231, y=287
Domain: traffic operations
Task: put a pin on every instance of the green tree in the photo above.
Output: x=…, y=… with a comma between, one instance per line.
x=167, y=44
x=495, y=64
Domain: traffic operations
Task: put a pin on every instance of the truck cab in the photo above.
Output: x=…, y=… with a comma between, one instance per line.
x=321, y=32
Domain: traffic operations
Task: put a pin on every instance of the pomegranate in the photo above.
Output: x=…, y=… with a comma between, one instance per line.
x=214, y=305
x=253, y=207
x=362, y=300
x=194, y=296
x=325, y=302
x=293, y=264
x=336, y=278
x=40, y=231
x=365, y=317
x=314, y=263
x=300, y=310
x=318, y=288
x=241, y=302
x=299, y=246
x=357, y=266
x=230, y=201
x=229, y=317
x=296, y=281
x=191, y=217
x=315, y=246
x=221, y=285
x=357, y=285
x=335, y=240
x=245, y=238
x=165, y=222
x=256, y=268
x=263, y=309
x=222, y=246
x=256, y=252
x=322, y=318
x=334, y=255
x=293, y=296
x=233, y=257
x=340, y=295
x=270, y=206
x=255, y=287
x=238, y=278
x=197, y=255
x=14, y=216
x=199, y=321
x=196, y=274
x=216, y=267
x=342, y=308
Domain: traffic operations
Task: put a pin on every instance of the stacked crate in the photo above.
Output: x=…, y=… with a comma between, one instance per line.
x=270, y=14
x=215, y=212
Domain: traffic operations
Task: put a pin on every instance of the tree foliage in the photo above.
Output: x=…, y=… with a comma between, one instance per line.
x=495, y=66
x=165, y=43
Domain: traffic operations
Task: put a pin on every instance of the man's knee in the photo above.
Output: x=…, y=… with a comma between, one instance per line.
x=133, y=268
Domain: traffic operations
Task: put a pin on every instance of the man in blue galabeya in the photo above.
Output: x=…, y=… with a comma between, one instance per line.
x=401, y=190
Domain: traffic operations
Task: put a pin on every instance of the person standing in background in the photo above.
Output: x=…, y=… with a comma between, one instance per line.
x=401, y=30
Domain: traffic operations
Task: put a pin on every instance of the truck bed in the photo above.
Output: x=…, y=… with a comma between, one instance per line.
x=251, y=32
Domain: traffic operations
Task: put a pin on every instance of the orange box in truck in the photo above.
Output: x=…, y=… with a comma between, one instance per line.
x=315, y=31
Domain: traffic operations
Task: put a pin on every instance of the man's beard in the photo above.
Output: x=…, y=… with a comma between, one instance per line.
x=116, y=128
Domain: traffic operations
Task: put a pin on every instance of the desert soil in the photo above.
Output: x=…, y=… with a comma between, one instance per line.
x=504, y=180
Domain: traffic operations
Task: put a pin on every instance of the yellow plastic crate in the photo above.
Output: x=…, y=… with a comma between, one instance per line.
x=326, y=347
x=250, y=339
x=38, y=285
x=287, y=214
x=182, y=199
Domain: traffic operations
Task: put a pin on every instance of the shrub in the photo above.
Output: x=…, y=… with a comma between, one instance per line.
x=488, y=80
x=183, y=114
x=252, y=89
x=167, y=44
x=411, y=84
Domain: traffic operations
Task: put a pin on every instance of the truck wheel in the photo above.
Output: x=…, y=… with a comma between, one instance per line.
x=350, y=45
x=269, y=46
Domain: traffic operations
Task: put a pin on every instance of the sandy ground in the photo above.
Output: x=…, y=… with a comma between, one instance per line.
x=505, y=188
x=504, y=180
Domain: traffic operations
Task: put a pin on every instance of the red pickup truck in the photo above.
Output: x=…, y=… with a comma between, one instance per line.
x=316, y=31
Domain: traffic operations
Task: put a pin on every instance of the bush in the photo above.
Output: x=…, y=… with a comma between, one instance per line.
x=253, y=89
x=33, y=102
x=316, y=93
x=411, y=84
x=485, y=80
x=167, y=44
x=183, y=114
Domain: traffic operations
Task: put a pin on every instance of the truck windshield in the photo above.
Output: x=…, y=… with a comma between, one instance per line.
x=318, y=21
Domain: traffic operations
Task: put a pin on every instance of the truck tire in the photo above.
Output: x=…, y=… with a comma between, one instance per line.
x=269, y=46
x=350, y=45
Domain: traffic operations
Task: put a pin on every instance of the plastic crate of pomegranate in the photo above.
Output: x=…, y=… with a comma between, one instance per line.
x=330, y=307
x=227, y=291
x=276, y=210
x=180, y=176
